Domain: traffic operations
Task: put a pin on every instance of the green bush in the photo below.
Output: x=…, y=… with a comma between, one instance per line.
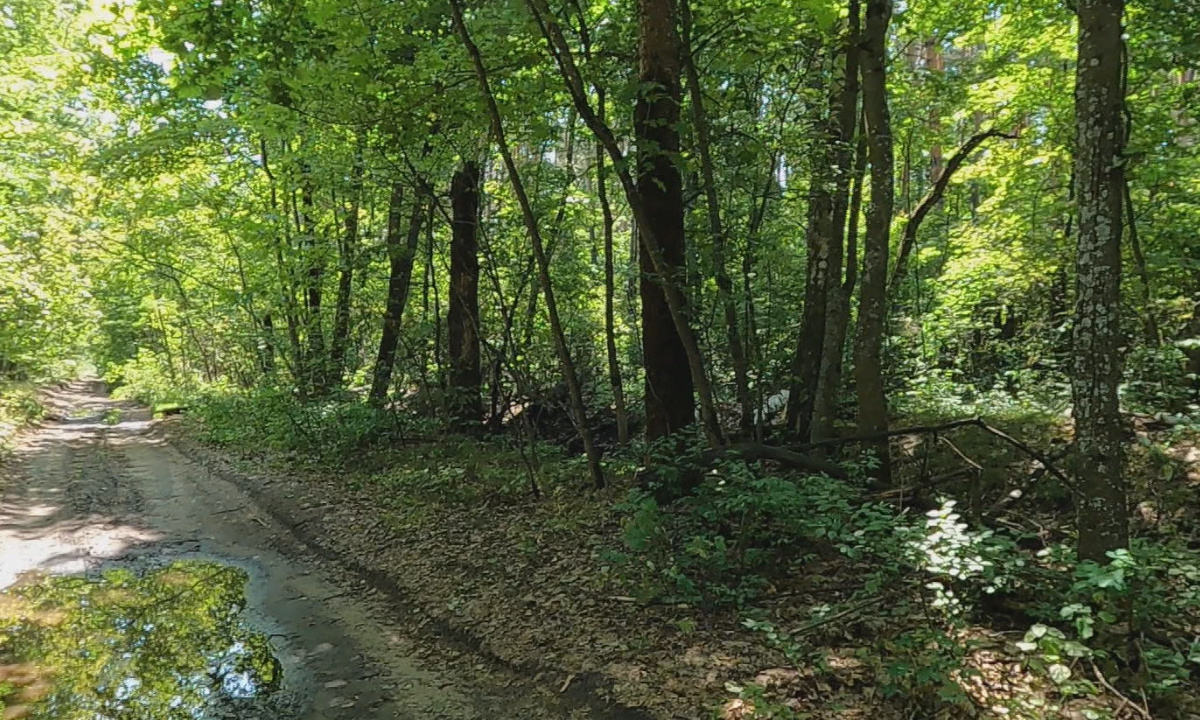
x=19, y=406
x=271, y=418
x=1156, y=380
x=720, y=544
x=148, y=380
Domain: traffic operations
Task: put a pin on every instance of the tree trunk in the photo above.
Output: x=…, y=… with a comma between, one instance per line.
x=1148, y=314
x=268, y=346
x=462, y=319
x=610, y=322
x=401, y=256
x=829, y=369
x=909, y=242
x=806, y=362
x=347, y=258
x=314, y=258
x=650, y=245
x=670, y=402
x=1096, y=337
x=733, y=338
x=578, y=410
x=872, y=306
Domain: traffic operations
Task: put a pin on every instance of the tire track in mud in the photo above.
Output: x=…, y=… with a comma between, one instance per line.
x=581, y=695
x=101, y=486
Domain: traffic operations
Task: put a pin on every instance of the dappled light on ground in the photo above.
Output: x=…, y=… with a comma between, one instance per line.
x=68, y=522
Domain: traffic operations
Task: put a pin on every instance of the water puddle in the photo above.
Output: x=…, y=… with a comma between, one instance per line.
x=164, y=644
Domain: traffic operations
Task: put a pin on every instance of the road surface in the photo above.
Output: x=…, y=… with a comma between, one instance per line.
x=98, y=487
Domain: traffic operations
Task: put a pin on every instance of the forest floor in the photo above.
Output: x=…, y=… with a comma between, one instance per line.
x=403, y=585
x=99, y=486
x=447, y=528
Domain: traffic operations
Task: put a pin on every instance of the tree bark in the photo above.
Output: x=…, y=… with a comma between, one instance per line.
x=833, y=342
x=610, y=320
x=462, y=317
x=670, y=400
x=650, y=245
x=872, y=307
x=531, y=224
x=1103, y=512
x=725, y=298
x=401, y=256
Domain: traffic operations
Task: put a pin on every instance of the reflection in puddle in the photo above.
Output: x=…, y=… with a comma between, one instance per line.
x=164, y=644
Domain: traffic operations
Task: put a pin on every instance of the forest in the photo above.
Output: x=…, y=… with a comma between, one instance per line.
x=855, y=342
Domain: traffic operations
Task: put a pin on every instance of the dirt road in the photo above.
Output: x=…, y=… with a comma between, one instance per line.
x=99, y=487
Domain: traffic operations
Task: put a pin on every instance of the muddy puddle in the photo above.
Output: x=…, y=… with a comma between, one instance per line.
x=154, y=644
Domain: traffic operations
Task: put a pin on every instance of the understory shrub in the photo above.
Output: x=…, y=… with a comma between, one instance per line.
x=148, y=379
x=321, y=431
x=720, y=544
x=19, y=406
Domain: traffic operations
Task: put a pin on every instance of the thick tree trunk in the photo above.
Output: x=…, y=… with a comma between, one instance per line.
x=725, y=298
x=872, y=307
x=462, y=319
x=650, y=245
x=1099, y=142
x=670, y=401
x=400, y=255
x=578, y=410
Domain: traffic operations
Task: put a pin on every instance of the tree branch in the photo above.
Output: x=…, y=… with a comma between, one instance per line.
x=931, y=199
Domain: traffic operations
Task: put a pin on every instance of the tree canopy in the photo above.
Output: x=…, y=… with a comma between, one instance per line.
x=651, y=229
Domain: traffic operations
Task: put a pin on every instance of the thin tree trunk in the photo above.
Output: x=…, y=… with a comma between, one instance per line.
x=400, y=256
x=855, y=214
x=347, y=258
x=314, y=258
x=872, y=308
x=725, y=298
x=1103, y=514
x=1149, y=321
x=462, y=319
x=909, y=242
x=610, y=323
x=287, y=280
x=431, y=274
x=531, y=224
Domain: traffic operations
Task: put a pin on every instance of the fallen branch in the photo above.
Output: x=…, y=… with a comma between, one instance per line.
x=756, y=451
x=804, y=629
x=1141, y=709
x=952, y=425
x=902, y=493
